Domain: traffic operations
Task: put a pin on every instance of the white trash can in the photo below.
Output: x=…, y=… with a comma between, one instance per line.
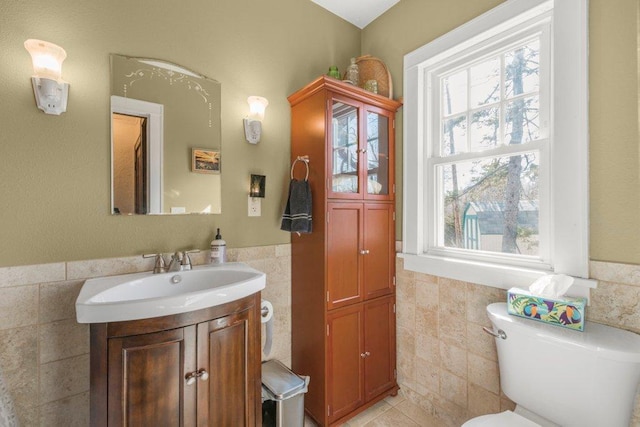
x=282, y=396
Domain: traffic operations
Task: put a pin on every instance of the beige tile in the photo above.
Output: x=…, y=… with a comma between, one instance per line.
x=480, y=342
x=428, y=348
x=406, y=291
x=616, y=305
x=478, y=297
x=452, y=297
x=31, y=274
x=58, y=300
x=406, y=314
x=482, y=401
x=452, y=329
x=392, y=417
x=453, y=388
x=72, y=411
x=63, y=339
x=64, y=378
x=394, y=400
x=427, y=294
x=454, y=359
x=19, y=306
x=416, y=413
x=427, y=321
x=506, y=404
x=614, y=272
x=283, y=250
x=256, y=253
x=19, y=366
x=108, y=267
x=365, y=417
x=405, y=364
x=484, y=373
x=427, y=376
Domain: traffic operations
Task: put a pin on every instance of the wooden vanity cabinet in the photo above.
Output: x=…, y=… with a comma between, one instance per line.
x=343, y=273
x=193, y=369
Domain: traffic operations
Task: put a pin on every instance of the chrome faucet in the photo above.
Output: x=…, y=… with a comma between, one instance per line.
x=180, y=261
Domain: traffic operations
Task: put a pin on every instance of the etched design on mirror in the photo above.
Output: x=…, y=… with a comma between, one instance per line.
x=179, y=110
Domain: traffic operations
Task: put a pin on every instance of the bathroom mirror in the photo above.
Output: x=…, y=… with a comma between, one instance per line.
x=165, y=139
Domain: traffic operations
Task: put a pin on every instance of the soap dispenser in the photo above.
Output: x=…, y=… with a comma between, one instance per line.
x=218, y=249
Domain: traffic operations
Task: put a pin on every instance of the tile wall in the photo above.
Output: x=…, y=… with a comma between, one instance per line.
x=446, y=364
x=44, y=352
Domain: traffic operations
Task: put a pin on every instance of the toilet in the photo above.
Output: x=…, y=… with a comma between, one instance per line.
x=562, y=377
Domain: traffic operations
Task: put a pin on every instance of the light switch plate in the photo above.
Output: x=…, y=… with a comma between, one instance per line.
x=254, y=206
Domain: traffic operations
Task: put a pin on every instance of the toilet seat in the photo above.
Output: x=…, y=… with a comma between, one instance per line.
x=503, y=419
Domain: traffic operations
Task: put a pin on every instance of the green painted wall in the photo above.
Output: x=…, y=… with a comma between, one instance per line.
x=613, y=108
x=55, y=170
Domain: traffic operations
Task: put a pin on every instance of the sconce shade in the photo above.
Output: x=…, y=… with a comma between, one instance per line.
x=47, y=58
x=51, y=92
x=257, y=106
x=258, y=184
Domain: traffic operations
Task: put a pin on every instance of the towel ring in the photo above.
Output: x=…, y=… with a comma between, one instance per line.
x=305, y=160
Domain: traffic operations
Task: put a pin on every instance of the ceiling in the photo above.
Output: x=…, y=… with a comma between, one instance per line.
x=359, y=12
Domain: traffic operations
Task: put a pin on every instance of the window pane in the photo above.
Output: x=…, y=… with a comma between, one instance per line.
x=491, y=204
x=485, y=83
x=522, y=69
x=485, y=126
x=454, y=136
x=454, y=93
x=377, y=153
x=522, y=121
x=345, y=148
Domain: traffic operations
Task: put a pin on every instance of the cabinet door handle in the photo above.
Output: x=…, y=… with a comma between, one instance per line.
x=363, y=355
x=366, y=353
x=203, y=374
x=364, y=251
x=191, y=377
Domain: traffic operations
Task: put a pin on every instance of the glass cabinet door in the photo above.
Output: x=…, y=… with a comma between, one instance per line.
x=345, y=130
x=378, y=169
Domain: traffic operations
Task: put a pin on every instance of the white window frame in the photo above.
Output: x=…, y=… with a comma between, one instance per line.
x=567, y=222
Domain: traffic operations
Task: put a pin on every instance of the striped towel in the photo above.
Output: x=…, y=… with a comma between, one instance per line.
x=297, y=214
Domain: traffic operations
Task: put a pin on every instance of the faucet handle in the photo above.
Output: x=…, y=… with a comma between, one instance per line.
x=160, y=266
x=186, y=259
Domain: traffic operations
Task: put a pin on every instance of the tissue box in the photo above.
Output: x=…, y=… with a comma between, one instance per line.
x=567, y=312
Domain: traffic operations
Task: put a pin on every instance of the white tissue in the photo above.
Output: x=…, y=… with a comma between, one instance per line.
x=266, y=311
x=551, y=286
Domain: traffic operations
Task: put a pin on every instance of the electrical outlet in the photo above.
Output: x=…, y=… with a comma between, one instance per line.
x=254, y=206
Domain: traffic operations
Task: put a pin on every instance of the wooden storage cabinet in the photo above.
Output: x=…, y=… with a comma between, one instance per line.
x=343, y=274
x=193, y=369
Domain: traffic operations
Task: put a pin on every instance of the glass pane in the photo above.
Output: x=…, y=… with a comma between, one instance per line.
x=454, y=93
x=522, y=69
x=345, y=148
x=454, y=136
x=485, y=83
x=485, y=126
x=491, y=204
x=377, y=154
x=522, y=122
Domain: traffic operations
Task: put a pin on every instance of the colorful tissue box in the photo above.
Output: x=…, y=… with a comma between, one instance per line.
x=567, y=312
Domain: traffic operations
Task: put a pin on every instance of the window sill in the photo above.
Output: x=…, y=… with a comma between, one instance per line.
x=497, y=276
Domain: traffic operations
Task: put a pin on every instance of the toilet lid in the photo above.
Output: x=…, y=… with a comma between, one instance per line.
x=503, y=419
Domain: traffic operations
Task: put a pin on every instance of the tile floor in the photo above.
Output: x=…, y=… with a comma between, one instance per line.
x=390, y=412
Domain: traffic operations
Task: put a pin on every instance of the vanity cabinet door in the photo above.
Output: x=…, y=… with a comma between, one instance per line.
x=146, y=379
x=379, y=249
x=228, y=350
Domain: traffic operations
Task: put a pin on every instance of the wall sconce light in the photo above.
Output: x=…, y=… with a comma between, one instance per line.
x=253, y=123
x=50, y=90
x=258, y=184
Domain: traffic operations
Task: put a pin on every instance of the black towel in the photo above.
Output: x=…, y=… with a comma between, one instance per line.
x=297, y=214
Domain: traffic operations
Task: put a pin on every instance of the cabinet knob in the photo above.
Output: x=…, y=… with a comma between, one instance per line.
x=203, y=374
x=363, y=355
x=191, y=377
x=364, y=251
x=367, y=354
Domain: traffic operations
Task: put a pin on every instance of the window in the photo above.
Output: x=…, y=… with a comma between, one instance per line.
x=495, y=159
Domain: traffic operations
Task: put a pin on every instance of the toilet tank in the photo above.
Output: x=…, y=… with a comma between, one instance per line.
x=575, y=379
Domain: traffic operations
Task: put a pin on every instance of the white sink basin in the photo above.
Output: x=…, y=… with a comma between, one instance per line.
x=145, y=295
